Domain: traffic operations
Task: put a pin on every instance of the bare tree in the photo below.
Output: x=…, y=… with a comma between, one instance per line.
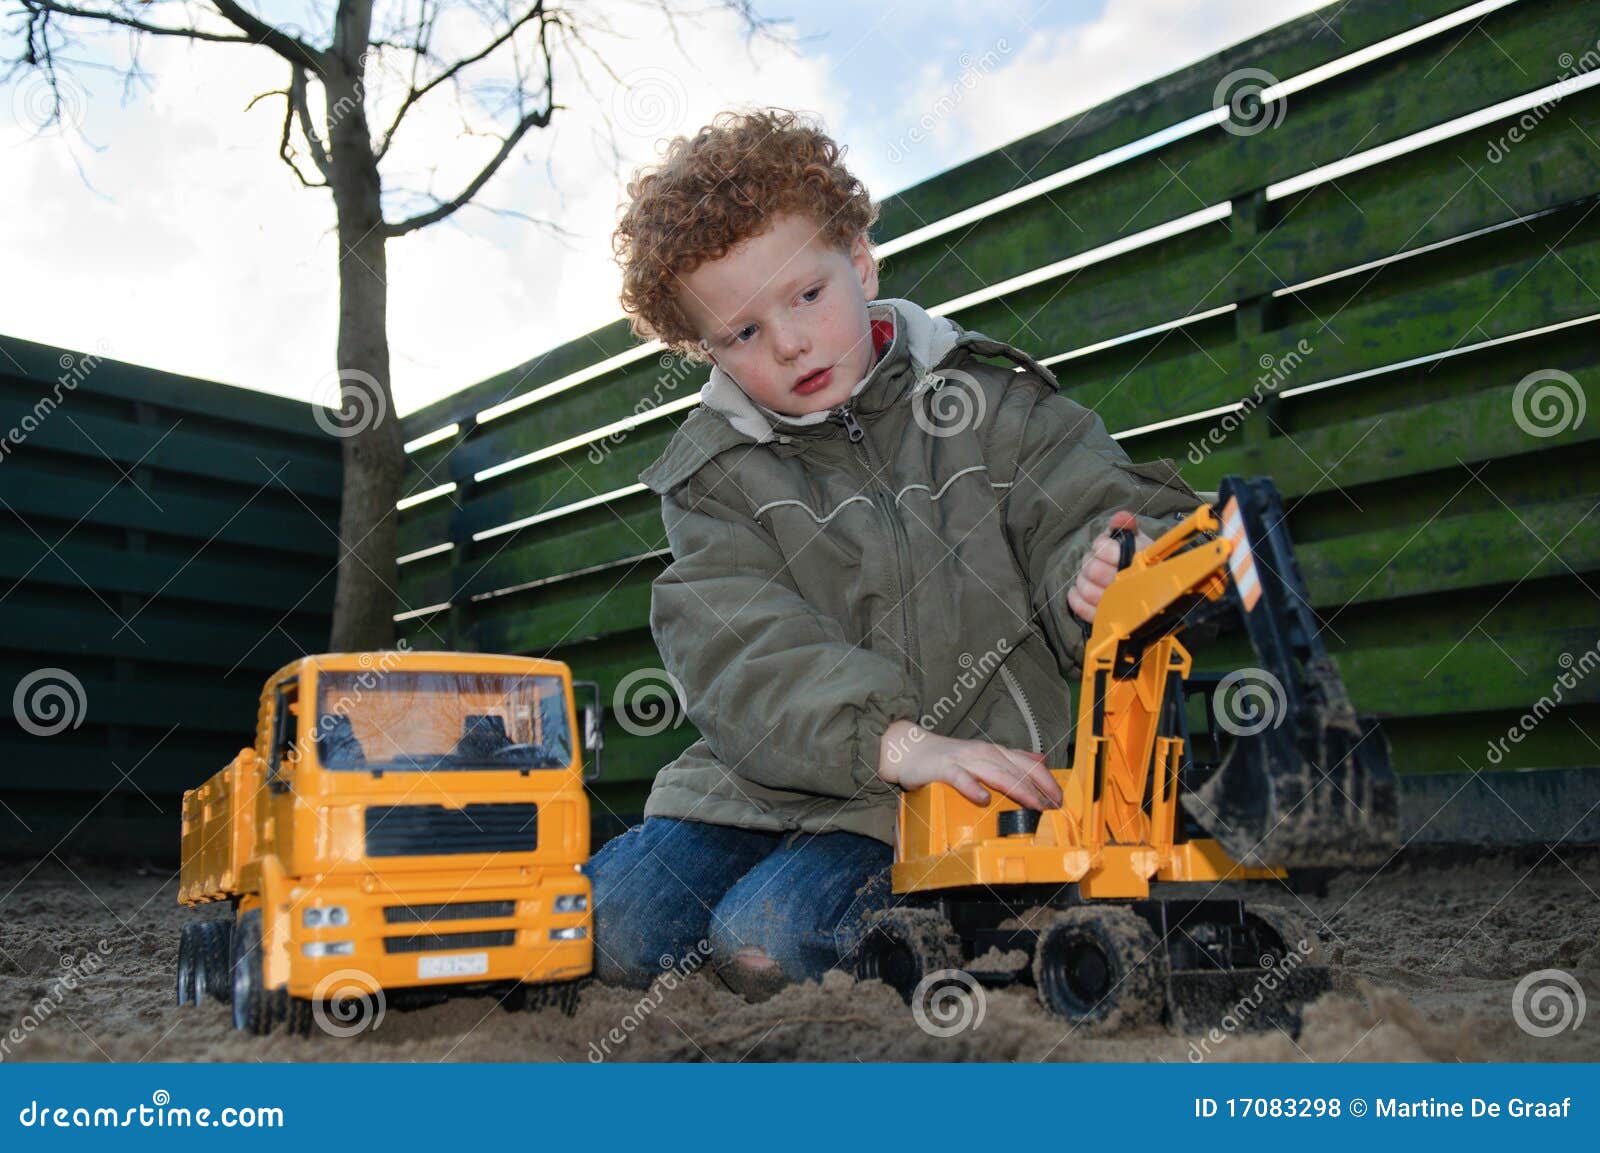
x=328, y=141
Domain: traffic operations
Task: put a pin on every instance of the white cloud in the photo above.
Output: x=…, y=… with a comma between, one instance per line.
x=1058, y=72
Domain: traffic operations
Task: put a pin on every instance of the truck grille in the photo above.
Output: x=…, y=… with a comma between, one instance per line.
x=439, y=942
x=454, y=911
x=429, y=830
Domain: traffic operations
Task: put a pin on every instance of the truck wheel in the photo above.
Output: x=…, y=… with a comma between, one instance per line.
x=902, y=946
x=212, y=970
x=299, y=1017
x=1279, y=932
x=186, y=958
x=1101, y=967
x=537, y=997
x=252, y=1005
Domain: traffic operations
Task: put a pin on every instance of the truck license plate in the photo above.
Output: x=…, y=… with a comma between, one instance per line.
x=453, y=965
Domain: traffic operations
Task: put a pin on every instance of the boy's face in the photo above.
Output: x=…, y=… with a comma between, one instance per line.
x=785, y=315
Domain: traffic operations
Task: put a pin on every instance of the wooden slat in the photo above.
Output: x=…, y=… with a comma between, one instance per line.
x=1500, y=547
x=42, y=366
x=1529, y=293
x=1390, y=446
x=95, y=633
x=610, y=603
x=214, y=578
x=1473, y=676
x=1285, y=51
x=1323, y=124
x=260, y=516
x=314, y=470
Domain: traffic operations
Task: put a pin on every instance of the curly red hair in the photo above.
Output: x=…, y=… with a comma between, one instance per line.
x=716, y=189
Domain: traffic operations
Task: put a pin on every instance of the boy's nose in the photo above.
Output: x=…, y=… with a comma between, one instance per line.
x=790, y=341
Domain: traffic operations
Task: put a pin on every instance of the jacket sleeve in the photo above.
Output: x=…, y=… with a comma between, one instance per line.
x=1070, y=477
x=780, y=694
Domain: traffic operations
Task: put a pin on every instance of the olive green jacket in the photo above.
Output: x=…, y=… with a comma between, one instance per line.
x=822, y=587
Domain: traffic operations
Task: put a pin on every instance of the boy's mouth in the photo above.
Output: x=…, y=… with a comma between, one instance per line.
x=814, y=380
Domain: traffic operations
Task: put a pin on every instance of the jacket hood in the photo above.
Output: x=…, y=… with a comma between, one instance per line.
x=727, y=416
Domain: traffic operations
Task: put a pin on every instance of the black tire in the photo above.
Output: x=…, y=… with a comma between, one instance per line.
x=298, y=1017
x=1280, y=931
x=213, y=974
x=1101, y=967
x=252, y=1006
x=538, y=998
x=902, y=946
x=187, y=949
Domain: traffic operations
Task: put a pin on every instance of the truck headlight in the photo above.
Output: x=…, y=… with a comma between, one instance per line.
x=572, y=903
x=328, y=948
x=318, y=916
x=572, y=933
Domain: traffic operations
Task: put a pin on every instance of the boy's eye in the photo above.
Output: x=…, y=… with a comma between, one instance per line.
x=744, y=334
x=811, y=295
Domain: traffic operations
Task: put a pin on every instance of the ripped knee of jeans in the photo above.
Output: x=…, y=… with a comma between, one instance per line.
x=752, y=973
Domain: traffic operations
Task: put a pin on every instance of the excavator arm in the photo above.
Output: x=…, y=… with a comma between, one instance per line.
x=1303, y=781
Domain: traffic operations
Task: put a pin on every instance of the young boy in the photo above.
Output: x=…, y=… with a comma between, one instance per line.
x=885, y=552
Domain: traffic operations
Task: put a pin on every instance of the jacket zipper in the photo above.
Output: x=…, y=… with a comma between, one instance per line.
x=857, y=436
x=1021, y=698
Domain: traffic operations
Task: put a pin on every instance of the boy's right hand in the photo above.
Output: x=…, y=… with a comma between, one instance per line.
x=911, y=757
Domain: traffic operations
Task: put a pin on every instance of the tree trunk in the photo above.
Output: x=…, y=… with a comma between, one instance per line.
x=374, y=456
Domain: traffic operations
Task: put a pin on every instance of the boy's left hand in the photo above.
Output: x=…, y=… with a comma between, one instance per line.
x=1099, y=566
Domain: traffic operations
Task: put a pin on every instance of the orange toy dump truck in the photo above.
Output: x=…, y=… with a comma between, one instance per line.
x=411, y=822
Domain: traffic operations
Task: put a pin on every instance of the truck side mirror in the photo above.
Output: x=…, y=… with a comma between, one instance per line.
x=593, y=722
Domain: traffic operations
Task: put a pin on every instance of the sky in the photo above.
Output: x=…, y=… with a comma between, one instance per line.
x=159, y=226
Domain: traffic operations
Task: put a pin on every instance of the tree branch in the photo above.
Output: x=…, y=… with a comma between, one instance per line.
x=130, y=22
x=297, y=100
x=416, y=94
x=538, y=119
x=291, y=48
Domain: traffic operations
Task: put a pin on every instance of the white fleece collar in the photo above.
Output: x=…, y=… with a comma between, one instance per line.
x=929, y=340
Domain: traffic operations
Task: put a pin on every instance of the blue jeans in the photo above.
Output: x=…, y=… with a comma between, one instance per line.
x=670, y=892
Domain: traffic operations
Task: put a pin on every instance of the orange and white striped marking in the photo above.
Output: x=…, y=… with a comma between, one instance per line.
x=1241, y=561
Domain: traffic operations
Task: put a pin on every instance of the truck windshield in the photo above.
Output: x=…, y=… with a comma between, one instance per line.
x=406, y=721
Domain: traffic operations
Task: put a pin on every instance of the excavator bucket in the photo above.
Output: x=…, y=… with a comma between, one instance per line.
x=1302, y=780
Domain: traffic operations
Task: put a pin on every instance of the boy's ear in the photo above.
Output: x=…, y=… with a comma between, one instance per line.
x=866, y=267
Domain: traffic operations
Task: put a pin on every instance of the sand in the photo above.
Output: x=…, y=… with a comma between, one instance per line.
x=1428, y=953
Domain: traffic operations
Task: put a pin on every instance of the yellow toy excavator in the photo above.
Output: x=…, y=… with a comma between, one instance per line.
x=1108, y=904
